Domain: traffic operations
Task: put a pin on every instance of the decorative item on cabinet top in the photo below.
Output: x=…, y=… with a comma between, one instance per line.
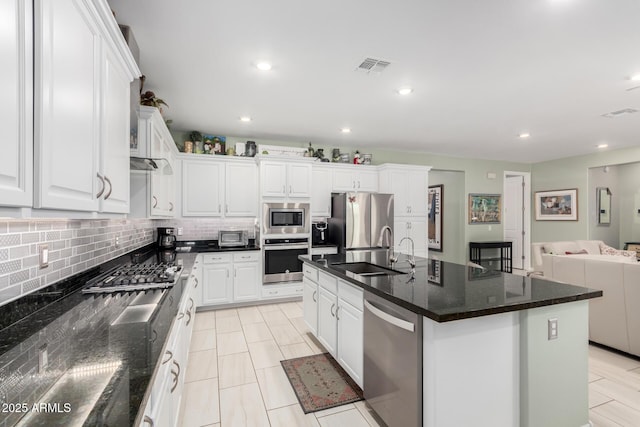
x=149, y=98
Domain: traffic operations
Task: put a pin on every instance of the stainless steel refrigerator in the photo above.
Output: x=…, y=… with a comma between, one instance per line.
x=361, y=221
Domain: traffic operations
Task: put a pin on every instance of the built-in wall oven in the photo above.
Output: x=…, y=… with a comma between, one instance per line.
x=286, y=218
x=281, y=263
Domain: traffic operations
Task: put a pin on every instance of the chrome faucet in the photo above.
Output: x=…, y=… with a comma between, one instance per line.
x=392, y=258
x=412, y=259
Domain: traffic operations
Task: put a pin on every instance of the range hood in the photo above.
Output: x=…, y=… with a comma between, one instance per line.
x=160, y=166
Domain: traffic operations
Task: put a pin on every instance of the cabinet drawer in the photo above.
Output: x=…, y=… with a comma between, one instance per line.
x=310, y=272
x=351, y=294
x=247, y=256
x=217, y=258
x=328, y=282
x=270, y=291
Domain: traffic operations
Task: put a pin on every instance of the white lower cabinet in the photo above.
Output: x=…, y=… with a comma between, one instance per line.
x=163, y=407
x=230, y=277
x=335, y=307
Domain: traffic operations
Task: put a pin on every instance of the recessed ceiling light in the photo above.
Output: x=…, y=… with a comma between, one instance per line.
x=405, y=90
x=345, y=130
x=602, y=145
x=524, y=135
x=263, y=66
x=245, y=119
x=635, y=77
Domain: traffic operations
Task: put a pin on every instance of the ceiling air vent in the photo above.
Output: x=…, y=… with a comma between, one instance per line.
x=372, y=65
x=619, y=113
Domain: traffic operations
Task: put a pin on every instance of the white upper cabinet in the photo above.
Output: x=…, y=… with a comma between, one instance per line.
x=409, y=185
x=16, y=109
x=285, y=180
x=321, y=191
x=217, y=187
x=81, y=130
x=202, y=188
x=354, y=178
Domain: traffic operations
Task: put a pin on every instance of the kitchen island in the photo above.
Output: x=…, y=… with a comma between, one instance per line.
x=490, y=352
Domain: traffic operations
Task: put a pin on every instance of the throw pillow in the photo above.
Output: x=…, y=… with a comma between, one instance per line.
x=580, y=252
x=608, y=250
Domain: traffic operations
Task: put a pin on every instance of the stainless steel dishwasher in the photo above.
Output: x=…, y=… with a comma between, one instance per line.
x=392, y=362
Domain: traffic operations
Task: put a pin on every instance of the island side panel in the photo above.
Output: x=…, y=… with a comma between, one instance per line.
x=471, y=372
x=554, y=373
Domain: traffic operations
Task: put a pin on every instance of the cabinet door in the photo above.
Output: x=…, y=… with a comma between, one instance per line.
x=299, y=180
x=162, y=184
x=216, y=286
x=273, y=179
x=367, y=180
x=67, y=75
x=343, y=180
x=350, y=336
x=246, y=281
x=310, y=305
x=241, y=189
x=418, y=189
x=202, y=188
x=321, y=192
x=417, y=230
x=327, y=321
x=16, y=116
x=396, y=183
x=114, y=158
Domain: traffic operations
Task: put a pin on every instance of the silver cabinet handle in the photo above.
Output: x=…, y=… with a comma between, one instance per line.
x=219, y=207
x=337, y=308
x=155, y=336
x=358, y=183
x=155, y=201
x=245, y=257
x=168, y=352
x=180, y=316
x=196, y=280
x=331, y=310
x=170, y=207
x=106, y=178
x=313, y=297
x=103, y=185
x=354, y=184
x=176, y=375
x=400, y=323
x=226, y=209
x=148, y=420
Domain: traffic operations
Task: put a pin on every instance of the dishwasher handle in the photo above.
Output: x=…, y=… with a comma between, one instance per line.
x=400, y=323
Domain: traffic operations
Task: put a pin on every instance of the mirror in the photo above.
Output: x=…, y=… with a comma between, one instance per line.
x=603, y=196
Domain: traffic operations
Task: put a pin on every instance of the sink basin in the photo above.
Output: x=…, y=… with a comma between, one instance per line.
x=364, y=269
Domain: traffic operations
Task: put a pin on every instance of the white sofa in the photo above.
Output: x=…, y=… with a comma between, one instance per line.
x=614, y=319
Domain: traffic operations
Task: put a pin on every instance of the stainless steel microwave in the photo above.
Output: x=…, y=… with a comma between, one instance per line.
x=286, y=218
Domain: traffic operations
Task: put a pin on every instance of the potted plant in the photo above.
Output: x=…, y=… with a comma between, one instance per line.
x=196, y=137
x=149, y=98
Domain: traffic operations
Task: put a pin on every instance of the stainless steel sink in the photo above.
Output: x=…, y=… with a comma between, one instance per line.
x=365, y=269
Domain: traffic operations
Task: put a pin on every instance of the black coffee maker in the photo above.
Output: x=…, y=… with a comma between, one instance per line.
x=166, y=238
x=319, y=233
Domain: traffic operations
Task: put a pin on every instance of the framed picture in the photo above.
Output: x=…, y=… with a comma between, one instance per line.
x=485, y=208
x=434, y=272
x=434, y=207
x=557, y=205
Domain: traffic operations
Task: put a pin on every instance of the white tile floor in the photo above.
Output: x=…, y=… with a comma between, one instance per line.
x=234, y=377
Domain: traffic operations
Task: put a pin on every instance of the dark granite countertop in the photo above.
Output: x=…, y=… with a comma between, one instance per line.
x=199, y=246
x=443, y=291
x=97, y=362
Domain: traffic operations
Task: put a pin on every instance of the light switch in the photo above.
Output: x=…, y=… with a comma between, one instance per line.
x=44, y=256
x=552, y=329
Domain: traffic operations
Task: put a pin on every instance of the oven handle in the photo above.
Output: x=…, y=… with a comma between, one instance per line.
x=284, y=247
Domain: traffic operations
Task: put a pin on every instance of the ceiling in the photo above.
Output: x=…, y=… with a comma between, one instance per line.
x=482, y=72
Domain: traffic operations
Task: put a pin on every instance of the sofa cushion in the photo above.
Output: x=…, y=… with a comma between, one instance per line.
x=561, y=248
x=608, y=250
x=591, y=246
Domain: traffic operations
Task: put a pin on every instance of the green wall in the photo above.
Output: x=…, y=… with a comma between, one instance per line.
x=572, y=172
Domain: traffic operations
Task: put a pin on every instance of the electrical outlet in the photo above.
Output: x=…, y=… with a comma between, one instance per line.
x=552, y=329
x=44, y=256
x=117, y=242
x=179, y=231
x=490, y=228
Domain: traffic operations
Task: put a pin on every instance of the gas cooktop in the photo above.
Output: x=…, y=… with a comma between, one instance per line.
x=135, y=277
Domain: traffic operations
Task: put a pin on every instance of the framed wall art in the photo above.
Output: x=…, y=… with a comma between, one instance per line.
x=434, y=209
x=557, y=205
x=485, y=208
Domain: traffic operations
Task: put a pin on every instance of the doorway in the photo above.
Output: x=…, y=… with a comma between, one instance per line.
x=517, y=217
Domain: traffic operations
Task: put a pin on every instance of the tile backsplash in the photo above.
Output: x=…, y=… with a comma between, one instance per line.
x=74, y=246
x=207, y=228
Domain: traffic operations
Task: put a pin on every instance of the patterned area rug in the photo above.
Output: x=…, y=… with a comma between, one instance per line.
x=320, y=382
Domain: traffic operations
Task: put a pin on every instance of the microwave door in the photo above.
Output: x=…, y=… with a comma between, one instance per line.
x=358, y=221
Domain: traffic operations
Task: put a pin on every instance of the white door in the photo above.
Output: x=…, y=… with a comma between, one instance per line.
x=216, y=286
x=343, y=180
x=16, y=109
x=367, y=180
x=310, y=305
x=327, y=322
x=299, y=180
x=246, y=281
x=514, y=217
x=202, y=188
x=350, y=336
x=241, y=190
x=273, y=179
x=67, y=82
